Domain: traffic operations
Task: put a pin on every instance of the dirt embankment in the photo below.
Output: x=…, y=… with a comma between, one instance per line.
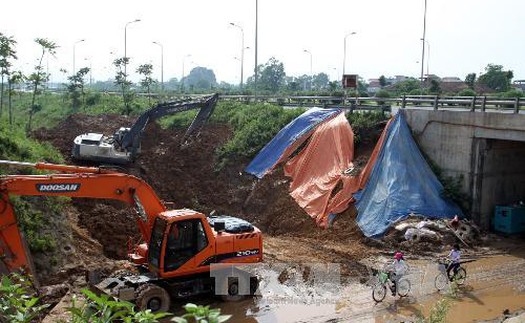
x=187, y=176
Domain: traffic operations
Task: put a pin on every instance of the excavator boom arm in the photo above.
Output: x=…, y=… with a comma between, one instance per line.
x=131, y=140
x=82, y=182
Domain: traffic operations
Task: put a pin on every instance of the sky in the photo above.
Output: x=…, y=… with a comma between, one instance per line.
x=462, y=36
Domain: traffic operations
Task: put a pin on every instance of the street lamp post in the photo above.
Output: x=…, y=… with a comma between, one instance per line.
x=311, y=73
x=256, y=48
x=423, y=43
x=74, y=53
x=242, y=51
x=125, y=46
x=344, y=50
x=428, y=54
x=161, y=65
x=182, y=79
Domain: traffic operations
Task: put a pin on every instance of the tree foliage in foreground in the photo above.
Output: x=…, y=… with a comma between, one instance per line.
x=39, y=76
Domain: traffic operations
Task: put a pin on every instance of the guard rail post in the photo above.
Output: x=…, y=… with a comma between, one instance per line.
x=473, y=104
x=436, y=100
x=483, y=103
x=517, y=105
x=403, y=101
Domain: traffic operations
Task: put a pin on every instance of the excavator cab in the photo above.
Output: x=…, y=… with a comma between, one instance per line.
x=118, y=139
x=186, y=242
x=184, y=239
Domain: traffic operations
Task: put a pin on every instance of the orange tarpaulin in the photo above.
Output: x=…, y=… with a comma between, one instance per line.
x=319, y=184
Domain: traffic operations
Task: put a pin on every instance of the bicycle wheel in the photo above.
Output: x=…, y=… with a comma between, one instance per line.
x=460, y=276
x=379, y=292
x=403, y=287
x=440, y=281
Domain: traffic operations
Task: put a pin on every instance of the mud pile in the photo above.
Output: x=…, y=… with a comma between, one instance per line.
x=188, y=176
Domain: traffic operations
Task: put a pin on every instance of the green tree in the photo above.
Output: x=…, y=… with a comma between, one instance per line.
x=15, y=78
x=121, y=80
x=470, y=80
x=292, y=84
x=362, y=87
x=7, y=53
x=407, y=86
x=435, y=86
x=76, y=86
x=272, y=75
x=39, y=76
x=382, y=81
x=496, y=78
x=201, y=78
x=320, y=81
x=146, y=70
x=303, y=81
x=334, y=86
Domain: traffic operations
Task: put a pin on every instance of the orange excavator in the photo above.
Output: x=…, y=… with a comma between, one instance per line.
x=177, y=248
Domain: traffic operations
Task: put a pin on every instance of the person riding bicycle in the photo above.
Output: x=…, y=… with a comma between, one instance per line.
x=454, y=257
x=396, y=270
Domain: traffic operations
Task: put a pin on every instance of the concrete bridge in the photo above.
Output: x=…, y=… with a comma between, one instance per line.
x=486, y=149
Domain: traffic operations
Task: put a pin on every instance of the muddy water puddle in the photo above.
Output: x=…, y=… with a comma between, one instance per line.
x=494, y=284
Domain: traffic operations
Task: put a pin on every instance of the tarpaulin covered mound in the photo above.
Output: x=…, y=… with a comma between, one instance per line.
x=401, y=183
x=318, y=167
x=290, y=137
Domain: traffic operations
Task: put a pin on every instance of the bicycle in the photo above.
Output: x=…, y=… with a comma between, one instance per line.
x=443, y=278
x=380, y=288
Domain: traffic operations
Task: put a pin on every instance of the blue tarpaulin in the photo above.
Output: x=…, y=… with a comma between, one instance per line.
x=268, y=157
x=401, y=183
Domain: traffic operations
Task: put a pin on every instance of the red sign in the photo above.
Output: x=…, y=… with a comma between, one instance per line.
x=350, y=81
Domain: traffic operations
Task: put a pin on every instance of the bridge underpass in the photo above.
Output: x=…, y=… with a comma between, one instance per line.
x=486, y=150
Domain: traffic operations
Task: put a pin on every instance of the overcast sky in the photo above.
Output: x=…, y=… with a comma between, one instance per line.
x=463, y=35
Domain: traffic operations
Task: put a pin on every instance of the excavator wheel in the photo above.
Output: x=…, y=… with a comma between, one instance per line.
x=232, y=288
x=152, y=297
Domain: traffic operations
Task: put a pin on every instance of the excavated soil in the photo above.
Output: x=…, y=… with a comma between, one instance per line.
x=188, y=177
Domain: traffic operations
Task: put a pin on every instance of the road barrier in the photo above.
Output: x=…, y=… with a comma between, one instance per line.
x=435, y=102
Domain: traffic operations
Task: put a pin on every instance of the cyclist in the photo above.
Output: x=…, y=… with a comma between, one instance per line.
x=396, y=270
x=454, y=257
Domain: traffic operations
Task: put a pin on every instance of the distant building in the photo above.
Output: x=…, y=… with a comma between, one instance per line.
x=373, y=85
x=396, y=79
x=519, y=85
x=451, y=79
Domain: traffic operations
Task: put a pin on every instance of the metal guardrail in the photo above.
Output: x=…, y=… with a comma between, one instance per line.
x=435, y=102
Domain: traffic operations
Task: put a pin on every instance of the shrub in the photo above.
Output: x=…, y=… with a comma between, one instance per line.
x=93, y=98
x=17, y=305
x=467, y=92
x=361, y=121
x=514, y=93
x=32, y=222
x=14, y=145
x=253, y=127
x=99, y=309
x=201, y=314
x=102, y=309
x=382, y=94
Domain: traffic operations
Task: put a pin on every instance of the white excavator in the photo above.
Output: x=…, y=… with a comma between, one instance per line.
x=124, y=145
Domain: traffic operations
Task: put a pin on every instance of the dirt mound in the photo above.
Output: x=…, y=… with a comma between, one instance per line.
x=188, y=177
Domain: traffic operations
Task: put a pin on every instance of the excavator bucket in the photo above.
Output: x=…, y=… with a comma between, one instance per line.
x=200, y=119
